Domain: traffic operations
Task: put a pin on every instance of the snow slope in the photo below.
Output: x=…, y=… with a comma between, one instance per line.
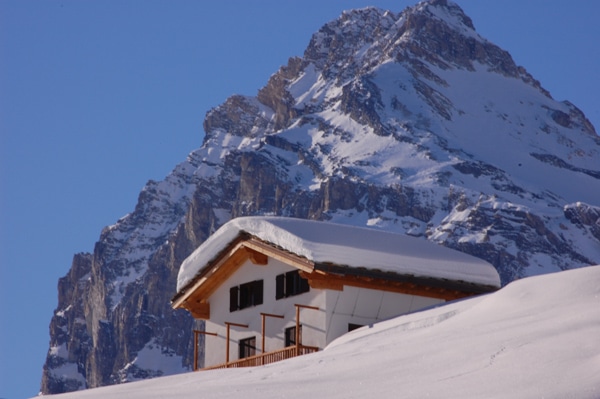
x=536, y=338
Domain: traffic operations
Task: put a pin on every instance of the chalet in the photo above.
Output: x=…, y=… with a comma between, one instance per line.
x=270, y=288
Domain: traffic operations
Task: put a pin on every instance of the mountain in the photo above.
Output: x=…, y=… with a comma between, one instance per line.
x=409, y=122
x=495, y=346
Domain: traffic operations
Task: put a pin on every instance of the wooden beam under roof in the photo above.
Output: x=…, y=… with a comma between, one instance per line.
x=199, y=310
x=289, y=258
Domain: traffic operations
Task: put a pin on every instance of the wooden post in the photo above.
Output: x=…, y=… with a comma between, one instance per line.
x=196, y=350
x=227, y=347
x=262, y=332
x=297, y=338
x=229, y=324
x=264, y=316
x=196, y=333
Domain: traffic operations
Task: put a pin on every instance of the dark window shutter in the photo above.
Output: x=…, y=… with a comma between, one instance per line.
x=289, y=283
x=258, y=292
x=304, y=287
x=245, y=295
x=279, y=286
x=233, y=299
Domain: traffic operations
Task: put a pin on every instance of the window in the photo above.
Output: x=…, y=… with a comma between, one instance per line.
x=246, y=295
x=290, y=336
x=247, y=347
x=290, y=284
x=352, y=327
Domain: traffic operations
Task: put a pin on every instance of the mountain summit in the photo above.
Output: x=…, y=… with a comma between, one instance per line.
x=408, y=122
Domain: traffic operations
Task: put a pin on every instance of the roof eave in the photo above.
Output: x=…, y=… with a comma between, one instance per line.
x=469, y=288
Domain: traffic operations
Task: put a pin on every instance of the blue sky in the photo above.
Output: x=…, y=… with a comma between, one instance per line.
x=97, y=97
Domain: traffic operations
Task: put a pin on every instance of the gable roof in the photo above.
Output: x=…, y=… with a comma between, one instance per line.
x=336, y=248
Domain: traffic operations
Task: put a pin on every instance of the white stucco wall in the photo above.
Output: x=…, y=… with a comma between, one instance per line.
x=319, y=327
x=365, y=306
x=313, y=321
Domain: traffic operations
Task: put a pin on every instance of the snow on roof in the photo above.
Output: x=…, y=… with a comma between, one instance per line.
x=346, y=245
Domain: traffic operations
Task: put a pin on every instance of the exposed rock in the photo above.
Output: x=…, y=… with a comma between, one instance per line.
x=276, y=96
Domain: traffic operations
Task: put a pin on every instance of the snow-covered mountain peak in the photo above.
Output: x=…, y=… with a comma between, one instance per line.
x=437, y=32
x=446, y=11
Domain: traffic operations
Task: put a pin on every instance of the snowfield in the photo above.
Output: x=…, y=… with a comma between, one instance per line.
x=536, y=338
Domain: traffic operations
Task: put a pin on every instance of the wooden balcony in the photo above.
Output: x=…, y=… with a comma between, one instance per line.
x=266, y=358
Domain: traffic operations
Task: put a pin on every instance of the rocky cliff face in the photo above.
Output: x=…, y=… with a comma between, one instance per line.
x=409, y=122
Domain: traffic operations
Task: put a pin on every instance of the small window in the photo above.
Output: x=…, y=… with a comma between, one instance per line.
x=290, y=336
x=247, y=347
x=352, y=327
x=290, y=284
x=246, y=295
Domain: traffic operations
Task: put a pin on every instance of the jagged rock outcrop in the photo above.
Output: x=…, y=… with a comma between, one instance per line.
x=409, y=122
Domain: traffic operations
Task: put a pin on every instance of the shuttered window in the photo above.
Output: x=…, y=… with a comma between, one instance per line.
x=246, y=295
x=290, y=284
x=280, y=286
x=247, y=347
x=290, y=336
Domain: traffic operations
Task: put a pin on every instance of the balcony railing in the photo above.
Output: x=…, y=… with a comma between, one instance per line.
x=266, y=358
